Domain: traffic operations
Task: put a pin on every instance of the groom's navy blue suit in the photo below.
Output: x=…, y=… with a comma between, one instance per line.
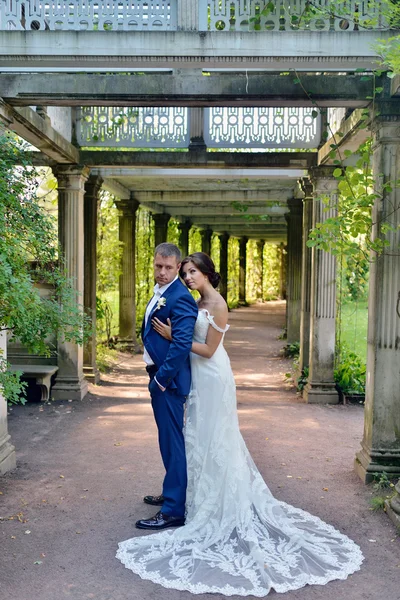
x=172, y=371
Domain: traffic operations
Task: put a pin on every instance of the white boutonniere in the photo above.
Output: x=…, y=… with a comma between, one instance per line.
x=161, y=302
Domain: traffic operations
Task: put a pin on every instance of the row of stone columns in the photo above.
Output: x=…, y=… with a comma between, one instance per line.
x=310, y=289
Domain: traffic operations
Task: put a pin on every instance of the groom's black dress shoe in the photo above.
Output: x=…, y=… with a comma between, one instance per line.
x=154, y=500
x=160, y=521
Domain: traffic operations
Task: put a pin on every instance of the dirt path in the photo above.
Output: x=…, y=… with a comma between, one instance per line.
x=83, y=468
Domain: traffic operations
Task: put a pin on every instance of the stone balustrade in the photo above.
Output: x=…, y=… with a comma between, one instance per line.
x=189, y=15
x=79, y=15
x=223, y=127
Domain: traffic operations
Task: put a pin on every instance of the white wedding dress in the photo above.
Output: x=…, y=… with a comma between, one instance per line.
x=238, y=539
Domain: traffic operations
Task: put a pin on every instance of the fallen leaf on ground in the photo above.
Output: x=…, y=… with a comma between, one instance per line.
x=325, y=489
x=118, y=444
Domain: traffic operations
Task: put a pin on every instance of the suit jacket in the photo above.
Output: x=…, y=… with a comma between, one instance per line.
x=172, y=357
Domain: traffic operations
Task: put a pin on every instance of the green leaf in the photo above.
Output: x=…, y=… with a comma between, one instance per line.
x=314, y=114
x=337, y=173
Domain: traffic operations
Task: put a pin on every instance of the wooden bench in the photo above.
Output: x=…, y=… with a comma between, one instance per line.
x=41, y=373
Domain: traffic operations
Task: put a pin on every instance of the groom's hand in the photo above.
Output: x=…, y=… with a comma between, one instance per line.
x=153, y=383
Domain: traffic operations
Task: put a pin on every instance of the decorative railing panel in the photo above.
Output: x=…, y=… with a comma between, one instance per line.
x=288, y=15
x=77, y=15
x=268, y=127
x=132, y=127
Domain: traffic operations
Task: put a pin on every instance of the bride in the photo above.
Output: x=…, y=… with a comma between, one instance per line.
x=237, y=538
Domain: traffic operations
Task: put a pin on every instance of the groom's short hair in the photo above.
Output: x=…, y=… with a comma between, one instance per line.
x=167, y=249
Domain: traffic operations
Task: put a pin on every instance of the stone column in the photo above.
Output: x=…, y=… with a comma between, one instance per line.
x=160, y=228
x=242, y=270
x=304, y=358
x=127, y=288
x=91, y=200
x=206, y=235
x=223, y=265
x=70, y=381
x=7, y=450
x=294, y=236
x=321, y=386
x=196, y=120
x=380, y=447
x=184, y=229
x=188, y=15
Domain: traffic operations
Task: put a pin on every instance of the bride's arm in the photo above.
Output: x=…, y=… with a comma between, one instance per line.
x=214, y=336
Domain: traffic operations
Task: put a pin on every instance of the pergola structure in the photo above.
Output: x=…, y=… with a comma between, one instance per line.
x=100, y=87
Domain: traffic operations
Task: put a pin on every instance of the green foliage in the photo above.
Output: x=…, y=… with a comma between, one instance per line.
x=173, y=232
x=194, y=240
x=292, y=350
x=109, y=253
x=144, y=262
x=109, y=248
x=350, y=371
x=382, y=483
x=377, y=503
x=233, y=272
x=302, y=380
x=272, y=268
x=215, y=247
x=13, y=388
x=30, y=257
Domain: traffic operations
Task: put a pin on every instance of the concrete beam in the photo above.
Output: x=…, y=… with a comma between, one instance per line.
x=116, y=188
x=184, y=88
x=306, y=50
x=233, y=160
x=254, y=234
x=275, y=224
x=207, y=209
x=349, y=137
x=37, y=131
x=215, y=171
x=221, y=198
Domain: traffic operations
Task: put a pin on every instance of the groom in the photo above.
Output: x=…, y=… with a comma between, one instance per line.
x=167, y=363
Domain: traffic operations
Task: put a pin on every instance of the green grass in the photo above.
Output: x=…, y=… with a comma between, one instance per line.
x=353, y=327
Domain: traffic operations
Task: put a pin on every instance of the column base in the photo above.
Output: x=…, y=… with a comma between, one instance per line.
x=392, y=514
x=320, y=393
x=92, y=374
x=69, y=388
x=367, y=463
x=8, y=460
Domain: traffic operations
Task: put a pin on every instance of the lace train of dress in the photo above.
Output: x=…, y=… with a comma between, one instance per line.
x=238, y=539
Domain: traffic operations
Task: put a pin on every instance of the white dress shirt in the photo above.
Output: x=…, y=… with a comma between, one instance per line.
x=158, y=292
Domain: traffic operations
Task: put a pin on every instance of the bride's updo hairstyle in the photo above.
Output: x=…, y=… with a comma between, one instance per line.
x=204, y=264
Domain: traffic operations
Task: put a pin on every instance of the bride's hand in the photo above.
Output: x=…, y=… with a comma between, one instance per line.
x=162, y=328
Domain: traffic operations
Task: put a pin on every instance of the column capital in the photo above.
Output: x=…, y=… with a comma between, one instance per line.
x=93, y=184
x=161, y=218
x=306, y=187
x=185, y=224
x=71, y=177
x=127, y=207
x=323, y=180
